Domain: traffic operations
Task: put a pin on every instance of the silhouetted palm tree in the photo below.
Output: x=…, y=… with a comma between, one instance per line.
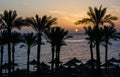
x=91, y=34
x=60, y=36
x=29, y=40
x=56, y=37
x=40, y=25
x=3, y=41
x=109, y=33
x=9, y=19
x=15, y=39
x=97, y=17
x=51, y=39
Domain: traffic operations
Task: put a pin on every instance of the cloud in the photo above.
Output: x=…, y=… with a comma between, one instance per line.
x=71, y=17
x=116, y=8
x=58, y=12
x=67, y=13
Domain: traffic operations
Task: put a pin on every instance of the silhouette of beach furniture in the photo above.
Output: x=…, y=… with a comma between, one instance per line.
x=89, y=62
x=33, y=62
x=72, y=62
x=61, y=67
x=109, y=64
x=21, y=72
x=44, y=67
x=6, y=66
x=75, y=60
x=81, y=67
x=112, y=60
x=118, y=61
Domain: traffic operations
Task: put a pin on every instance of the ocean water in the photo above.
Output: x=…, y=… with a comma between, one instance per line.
x=76, y=47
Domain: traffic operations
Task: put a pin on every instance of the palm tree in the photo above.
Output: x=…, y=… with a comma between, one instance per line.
x=97, y=17
x=9, y=20
x=109, y=33
x=51, y=39
x=60, y=36
x=3, y=41
x=56, y=37
x=29, y=40
x=91, y=34
x=40, y=25
x=15, y=39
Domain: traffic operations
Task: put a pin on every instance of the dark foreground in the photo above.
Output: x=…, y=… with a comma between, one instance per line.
x=77, y=71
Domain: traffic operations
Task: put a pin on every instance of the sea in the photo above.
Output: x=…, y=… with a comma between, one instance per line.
x=76, y=46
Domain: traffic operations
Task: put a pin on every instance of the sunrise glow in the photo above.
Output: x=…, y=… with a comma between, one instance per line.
x=76, y=30
x=66, y=11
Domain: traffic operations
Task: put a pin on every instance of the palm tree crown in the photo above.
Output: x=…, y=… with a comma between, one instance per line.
x=40, y=24
x=110, y=33
x=90, y=33
x=29, y=39
x=10, y=19
x=16, y=37
x=56, y=36
x=97, y=16
x=3, y=37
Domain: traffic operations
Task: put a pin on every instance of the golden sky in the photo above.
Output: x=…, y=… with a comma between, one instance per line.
x=66, y=11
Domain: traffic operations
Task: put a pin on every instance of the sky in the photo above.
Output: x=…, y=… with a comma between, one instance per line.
x=66, y=11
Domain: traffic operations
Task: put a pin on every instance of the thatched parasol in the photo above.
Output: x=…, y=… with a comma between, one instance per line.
x=70, y=63
x=33, y=62
x=89, y=62
x=112, y=60
x=43, y=65
x=108, y=64
x=75, y=60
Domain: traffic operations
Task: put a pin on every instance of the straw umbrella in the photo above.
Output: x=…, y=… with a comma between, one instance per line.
x=75, y=60
x=43, y=65
x=33, y=62
x=109, y=64
x=70, y=63
x=89, y=62
x=112, y=60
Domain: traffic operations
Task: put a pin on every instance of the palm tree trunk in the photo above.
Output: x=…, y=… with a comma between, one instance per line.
x=98, y=67
x=13, y=61
x=9, y=51
x=58, y=56
x=1, y=63
x=52, y=64
x=38, y=52
x=28, y=54
x=91, y=51
x=106, y=57
x=92, y=58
